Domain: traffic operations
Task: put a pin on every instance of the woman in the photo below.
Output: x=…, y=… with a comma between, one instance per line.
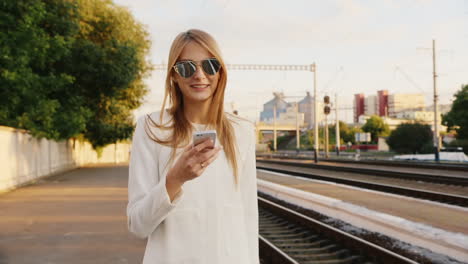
x=195, y=204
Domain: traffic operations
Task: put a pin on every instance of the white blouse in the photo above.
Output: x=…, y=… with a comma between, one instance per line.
x=209, y=222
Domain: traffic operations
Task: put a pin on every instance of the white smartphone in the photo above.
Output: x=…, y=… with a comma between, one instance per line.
x=200, y=136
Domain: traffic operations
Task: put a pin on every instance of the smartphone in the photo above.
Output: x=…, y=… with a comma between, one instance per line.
x=200, y=136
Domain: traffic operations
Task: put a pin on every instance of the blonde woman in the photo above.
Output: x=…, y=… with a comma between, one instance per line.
x=194, y=204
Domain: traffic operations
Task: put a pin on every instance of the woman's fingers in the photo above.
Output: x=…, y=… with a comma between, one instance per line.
x=210, y=156
x=188, y=147
x=197, y=155
x=208, y=143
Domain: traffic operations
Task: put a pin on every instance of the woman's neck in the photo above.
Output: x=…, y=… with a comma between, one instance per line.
x=198, y=112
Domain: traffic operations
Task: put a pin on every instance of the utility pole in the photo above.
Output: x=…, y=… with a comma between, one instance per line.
x=436, y=123
x=316, y=145
x=326, y=110
x=298, y=135
x=337, y=127
x=274, y=127
x=326, y=137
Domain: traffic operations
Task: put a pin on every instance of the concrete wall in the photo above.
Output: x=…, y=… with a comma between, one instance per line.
x=24, y=159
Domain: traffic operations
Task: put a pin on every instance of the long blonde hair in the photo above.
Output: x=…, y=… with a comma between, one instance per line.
x=217, y=119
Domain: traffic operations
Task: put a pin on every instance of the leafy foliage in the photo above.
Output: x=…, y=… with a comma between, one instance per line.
x=347, y=133
x=35, y=37
x=70, y=68
x=463, y=143
x=411, y=138
x=307, y=137
x=457, y=118
x=377, y=127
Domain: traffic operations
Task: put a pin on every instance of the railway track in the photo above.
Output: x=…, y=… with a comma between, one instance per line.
x=292, y=169
x=288, y=237
x=450, y=180
x=412, y=164
x=393, y=163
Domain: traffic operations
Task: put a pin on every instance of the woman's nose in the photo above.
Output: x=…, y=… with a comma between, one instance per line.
x=199, y=73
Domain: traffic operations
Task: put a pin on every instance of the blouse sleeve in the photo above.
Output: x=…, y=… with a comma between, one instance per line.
x=248, y=180
x=148, y=200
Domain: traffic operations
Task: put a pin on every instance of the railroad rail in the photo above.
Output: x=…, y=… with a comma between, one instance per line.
x=286, y=168
x=288, y=237
x=412, y=164
x=394, y=163
x=451, y=180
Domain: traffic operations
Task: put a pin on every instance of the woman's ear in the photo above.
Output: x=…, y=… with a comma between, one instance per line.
x=173, y=78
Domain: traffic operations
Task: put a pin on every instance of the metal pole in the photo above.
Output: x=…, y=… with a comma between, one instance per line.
x=316, y=146
x=337, y=127
x=274, y=127
x=326, y=136
x=436, y=124
x=298, y=136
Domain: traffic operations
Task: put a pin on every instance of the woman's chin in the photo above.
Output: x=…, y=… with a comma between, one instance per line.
x=199, y=97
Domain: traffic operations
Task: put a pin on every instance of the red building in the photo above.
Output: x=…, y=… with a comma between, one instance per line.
x=358, y=106
x=382, y=102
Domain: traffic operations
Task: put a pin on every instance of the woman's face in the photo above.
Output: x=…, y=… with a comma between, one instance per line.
x=200, y=86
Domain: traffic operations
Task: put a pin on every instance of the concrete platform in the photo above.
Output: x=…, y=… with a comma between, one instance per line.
x=75, y=217
x=438, y=227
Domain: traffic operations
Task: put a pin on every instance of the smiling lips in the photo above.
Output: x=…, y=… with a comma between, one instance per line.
x=199, y=87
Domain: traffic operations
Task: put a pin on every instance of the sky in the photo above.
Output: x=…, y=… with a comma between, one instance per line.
x=359, y=46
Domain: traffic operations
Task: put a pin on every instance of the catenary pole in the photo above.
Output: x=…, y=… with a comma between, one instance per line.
x=316, y=145
x=436, y=123
x=337, y=127
x=274, y=126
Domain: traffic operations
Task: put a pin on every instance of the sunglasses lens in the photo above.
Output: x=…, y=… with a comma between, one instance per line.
x=186, y=69
x=211, y=66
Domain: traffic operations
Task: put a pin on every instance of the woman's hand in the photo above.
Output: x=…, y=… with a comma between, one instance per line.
x=191, y=164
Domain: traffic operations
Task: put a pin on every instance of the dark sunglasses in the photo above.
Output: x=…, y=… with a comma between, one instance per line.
x=187, y=69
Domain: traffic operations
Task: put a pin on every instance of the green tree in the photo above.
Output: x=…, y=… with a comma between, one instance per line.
x=457, y=117
x=110, y=58
x=377, y=127
x=35, y=37
x=71, y=67
x=346, y=133
x=411, y=138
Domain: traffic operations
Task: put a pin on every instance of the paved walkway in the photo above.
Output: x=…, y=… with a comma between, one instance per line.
x=75, y=217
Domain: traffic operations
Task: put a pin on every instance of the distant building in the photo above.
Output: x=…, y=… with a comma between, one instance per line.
x=386, y=105
x=404, y=102
x=442, y=108
x=286, y=112
x=396, y=109
x=268, y=107
x=306, y=106
x=358, y=106
x=422, y=116
x=289, y=117
x=370, y=105
x=382, y=103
